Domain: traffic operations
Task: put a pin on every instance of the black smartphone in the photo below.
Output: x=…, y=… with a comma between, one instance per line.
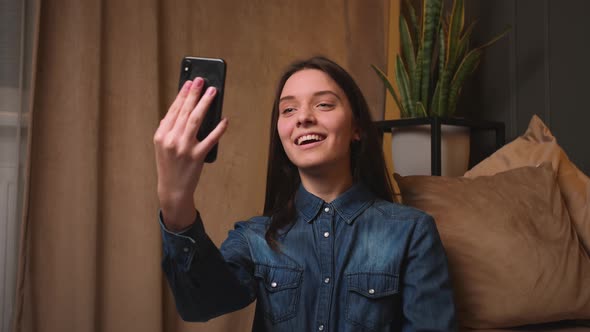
x=212, y=70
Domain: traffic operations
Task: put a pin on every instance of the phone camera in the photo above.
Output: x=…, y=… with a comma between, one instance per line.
x=186, y=69
x=186, y=66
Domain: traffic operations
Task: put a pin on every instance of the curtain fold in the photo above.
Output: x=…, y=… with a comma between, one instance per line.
x=106, y=73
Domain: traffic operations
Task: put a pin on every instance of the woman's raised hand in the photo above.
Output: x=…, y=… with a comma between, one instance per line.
x=180, y=156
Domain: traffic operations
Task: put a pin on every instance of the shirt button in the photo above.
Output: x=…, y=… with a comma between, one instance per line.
x=327, y=209
x=185, y=249
x=327, y=281
x=273, y=284
x=321, y=328
x=371, y=291
x=326, y=234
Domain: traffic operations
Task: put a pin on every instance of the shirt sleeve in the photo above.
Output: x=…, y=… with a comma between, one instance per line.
x=205, y=282
x=428, y=303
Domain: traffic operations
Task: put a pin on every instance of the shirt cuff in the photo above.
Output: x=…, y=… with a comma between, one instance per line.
x=181, y=247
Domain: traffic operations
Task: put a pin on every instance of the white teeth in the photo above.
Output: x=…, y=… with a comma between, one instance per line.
x=309, y=137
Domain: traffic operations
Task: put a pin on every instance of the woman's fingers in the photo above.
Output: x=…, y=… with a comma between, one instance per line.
x=193, y=123
x=174, y=109
x=209, y=142
x=169, y=119
x=178, y=130
x=189, y=103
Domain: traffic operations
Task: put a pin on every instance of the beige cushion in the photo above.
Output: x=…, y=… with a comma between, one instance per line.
x=538, y=145
x=513, y=254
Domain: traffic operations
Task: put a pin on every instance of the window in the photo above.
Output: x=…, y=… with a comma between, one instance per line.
x=17, y=20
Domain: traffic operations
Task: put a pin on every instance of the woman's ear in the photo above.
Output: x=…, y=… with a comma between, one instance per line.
x=356, y=134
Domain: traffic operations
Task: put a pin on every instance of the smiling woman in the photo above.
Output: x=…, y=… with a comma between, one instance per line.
x=316, y=128
x=321, y=77
x=332, y=252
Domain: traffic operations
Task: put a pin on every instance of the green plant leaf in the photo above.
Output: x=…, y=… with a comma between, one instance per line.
x=413, y=20
x=403, y=84
x=444, y=93
x=468, y=65
x=464, y=42
x=434, y=107
x=452, y=50
x=466, y=68
x=455, y=27
x=430, y=25
x=420, y=111
x=407, y=44
x=417, y=76
x=442, y=51
x=390, y=88
x=496, y=38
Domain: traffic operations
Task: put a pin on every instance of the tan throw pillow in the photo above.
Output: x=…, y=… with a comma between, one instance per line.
x=536, y=146
x=513, y=255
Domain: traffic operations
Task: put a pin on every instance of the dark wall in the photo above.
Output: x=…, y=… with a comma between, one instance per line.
x=541, y=67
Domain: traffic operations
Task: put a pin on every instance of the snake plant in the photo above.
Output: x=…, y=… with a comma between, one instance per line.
x=435, y=59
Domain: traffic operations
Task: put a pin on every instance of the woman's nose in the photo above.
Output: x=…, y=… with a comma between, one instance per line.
x=305, y=117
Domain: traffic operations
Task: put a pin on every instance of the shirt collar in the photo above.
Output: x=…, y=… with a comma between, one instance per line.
x=348, y=205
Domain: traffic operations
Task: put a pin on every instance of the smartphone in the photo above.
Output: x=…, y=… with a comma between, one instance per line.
x=212, y=70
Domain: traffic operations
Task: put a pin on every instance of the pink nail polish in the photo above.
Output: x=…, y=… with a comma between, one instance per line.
x=199, y=82
x=211, y=91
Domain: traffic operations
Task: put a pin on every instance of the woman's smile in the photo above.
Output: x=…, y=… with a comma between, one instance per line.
x=309, y=139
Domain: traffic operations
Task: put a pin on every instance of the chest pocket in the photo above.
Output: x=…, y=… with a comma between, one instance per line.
x=278, y=292
x=372, y=299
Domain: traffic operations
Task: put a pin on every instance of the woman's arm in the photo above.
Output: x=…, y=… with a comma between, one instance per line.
x=427, y=294
x=180, y=155
x=205, y=281
x=205, y=284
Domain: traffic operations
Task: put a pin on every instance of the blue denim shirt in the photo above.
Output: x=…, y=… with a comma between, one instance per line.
x=356, y=264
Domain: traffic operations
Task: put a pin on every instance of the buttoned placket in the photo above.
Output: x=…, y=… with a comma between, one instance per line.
x=325, y=228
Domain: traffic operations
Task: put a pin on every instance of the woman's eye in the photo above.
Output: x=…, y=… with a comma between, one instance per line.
x=325, y=105
x=287, y=110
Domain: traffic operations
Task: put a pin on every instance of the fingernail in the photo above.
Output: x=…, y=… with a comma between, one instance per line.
x=187, y=85
x=199, y=82
x=211, y=91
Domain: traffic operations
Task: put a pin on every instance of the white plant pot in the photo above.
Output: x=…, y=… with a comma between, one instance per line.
x=411, y=150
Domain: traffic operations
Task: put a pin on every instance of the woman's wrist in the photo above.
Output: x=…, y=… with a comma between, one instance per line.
x=178, y=216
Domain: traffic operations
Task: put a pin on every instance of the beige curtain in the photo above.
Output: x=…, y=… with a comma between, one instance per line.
x=106, y=72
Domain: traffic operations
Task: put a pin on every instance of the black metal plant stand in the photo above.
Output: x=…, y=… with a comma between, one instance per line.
x=435, y=132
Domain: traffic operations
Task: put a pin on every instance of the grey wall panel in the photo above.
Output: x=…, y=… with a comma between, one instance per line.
x=569, y=55
x=531, y=65
x=541, y=67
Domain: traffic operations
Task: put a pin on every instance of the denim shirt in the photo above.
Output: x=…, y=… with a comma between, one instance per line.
x=356, y=264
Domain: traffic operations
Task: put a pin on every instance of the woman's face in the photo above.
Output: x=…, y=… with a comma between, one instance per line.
x=315, y=122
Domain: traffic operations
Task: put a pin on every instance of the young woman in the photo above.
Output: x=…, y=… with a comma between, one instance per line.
x=332, y=252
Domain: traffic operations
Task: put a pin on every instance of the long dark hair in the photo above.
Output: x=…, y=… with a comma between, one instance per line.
x=366, y=157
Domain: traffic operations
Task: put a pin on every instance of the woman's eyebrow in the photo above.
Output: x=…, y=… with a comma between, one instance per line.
x=286, y=98
x=326, y=92
x=315, y=94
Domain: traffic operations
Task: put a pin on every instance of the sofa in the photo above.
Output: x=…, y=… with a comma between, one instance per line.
x=516, y=230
